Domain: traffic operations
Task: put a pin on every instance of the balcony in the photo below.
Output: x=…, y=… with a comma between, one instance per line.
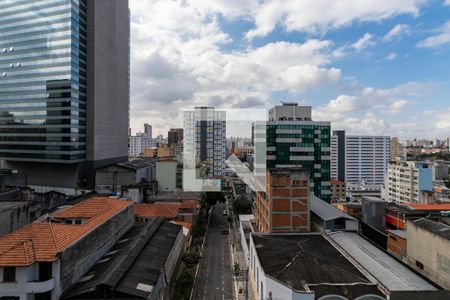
x=31, y=287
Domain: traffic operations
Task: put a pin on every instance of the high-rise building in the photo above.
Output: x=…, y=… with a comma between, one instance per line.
x=205, y=140
x=284, y=205
x=64, y=88
x=397, y=149
x=357, y=159
x=408, y=182
x=175, y=136
x=294, y=140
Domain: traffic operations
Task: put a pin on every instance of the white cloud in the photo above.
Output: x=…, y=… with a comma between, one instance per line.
x=391, y=56
x=447, y=2
x=442, y=38
x=363, y=42
x=318, y=16
x=396, y=32
x=397, y=106
x=177, y=61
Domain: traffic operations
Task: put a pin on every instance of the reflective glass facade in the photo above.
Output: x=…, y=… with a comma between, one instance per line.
x=43, y=80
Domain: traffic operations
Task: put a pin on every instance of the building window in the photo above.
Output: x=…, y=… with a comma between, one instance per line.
x=45, y=271
x=9, y=274
x=78, y=222
x=419, y=264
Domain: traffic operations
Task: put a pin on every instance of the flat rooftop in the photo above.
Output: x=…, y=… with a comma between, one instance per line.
x=385, y=269
x=440, y=229
x=310, y=262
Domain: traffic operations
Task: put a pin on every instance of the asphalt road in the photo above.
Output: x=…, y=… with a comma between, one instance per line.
x=214, y=276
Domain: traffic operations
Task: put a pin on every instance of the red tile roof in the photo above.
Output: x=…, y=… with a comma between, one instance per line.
x=163, y=209
x=443, y=207
x=42, y=242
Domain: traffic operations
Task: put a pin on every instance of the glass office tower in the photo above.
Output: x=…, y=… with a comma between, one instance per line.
x=64, y=88
x=43, y=80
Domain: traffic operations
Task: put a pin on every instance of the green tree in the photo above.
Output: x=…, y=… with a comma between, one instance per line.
x=242, y=206
x=213, y=197
x=184, y=284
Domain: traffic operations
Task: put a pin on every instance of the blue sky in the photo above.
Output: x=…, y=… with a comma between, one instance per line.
x=370, y=67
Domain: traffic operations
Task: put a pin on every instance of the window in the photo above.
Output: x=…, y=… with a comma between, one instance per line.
x=419, y=264
x=9, y=274
x=78, y=222
x=45, y=271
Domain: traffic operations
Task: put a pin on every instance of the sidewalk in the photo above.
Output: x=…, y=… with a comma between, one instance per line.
x=238, y=256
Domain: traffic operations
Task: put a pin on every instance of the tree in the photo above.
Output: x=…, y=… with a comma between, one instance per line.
x=213, y=197
x=242, y=206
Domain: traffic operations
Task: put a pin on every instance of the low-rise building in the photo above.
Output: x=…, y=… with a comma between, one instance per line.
x=325, y=217
x=284, y=206
x=428, y=250
x=397, y=243
x=43, y=260
x=166, y=174
x=304, y=267
x=143, y=264
x=15, y=215
x=180, y=211
x=113, y=178
x=374, y=212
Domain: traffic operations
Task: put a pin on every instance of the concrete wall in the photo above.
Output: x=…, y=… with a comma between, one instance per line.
x=430, y=250
x=79, y=258
x=16, y=215
x=173, y=261
x=166, y=176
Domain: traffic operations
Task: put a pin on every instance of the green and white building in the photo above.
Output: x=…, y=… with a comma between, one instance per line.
x=294, y=140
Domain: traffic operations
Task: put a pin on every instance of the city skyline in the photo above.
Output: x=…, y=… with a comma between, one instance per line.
x=381, y=65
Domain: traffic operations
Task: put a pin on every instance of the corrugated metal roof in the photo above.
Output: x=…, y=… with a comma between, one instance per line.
x=327, y=211
x=388, y=271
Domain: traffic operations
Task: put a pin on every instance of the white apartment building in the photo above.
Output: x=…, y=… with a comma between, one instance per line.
x=205, y=140
x=408, y=182
x=358, y=159
x=139, y=142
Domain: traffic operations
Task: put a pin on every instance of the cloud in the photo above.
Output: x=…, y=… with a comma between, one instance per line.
x=397, y=106
x=396, y=32
x=363, y=42
x=442, y=38
x=447, y=2
x=318, y=16
x=178, y=61
x=391, y=56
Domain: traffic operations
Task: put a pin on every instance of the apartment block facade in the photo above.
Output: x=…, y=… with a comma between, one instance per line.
x=284, y=206
x=408, y=182
x=293, y=140
x=357, y=159
x=205, y=140
x=64, y=88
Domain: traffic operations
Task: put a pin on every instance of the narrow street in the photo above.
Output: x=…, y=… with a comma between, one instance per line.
x=214, y=277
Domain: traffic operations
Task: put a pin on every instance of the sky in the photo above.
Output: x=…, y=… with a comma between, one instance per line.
x=377, y=67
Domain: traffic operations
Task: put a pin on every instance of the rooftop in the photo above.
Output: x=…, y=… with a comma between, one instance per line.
x=41, y=242
x=385, y=269
x=164, y=209
x=309, y=262
x=326, y=211
x=134, y=264
x=438, y=207
x=137, y=164
x=440, y=229
x=399, y=233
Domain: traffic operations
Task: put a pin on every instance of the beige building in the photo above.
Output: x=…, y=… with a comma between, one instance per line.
x=408, y=182
x=337, y=190
x=166, y=174
x=397, y=149
x=428, y=250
